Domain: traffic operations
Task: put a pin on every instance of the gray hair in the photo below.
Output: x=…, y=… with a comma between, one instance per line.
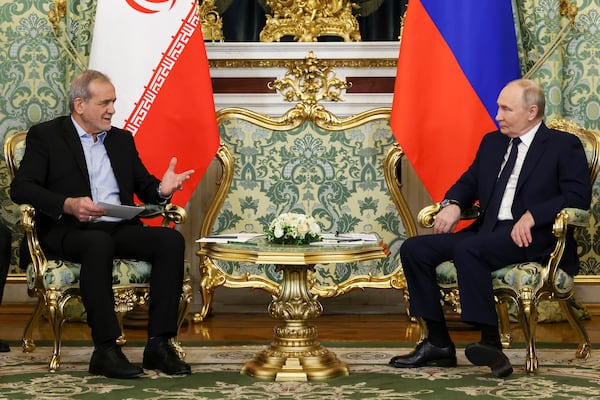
x=80, y=85
x=533, y=95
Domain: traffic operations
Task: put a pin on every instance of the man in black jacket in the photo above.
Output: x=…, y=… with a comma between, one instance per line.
x=522, y=176
x=70, y=164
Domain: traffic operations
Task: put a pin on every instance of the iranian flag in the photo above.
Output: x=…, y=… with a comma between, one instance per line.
x=153, y=52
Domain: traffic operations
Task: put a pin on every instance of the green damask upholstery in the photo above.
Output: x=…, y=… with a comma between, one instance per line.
x=65, y=274
x=335, y=175
x=56, y=282
x=528, y=287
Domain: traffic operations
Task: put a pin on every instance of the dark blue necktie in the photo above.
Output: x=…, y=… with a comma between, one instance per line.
x=491, y=213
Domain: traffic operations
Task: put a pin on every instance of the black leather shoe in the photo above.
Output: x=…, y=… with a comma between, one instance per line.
x=427, y=355
x=4, y=347
x=489, y=356
x=161, y=356
x=112, y=363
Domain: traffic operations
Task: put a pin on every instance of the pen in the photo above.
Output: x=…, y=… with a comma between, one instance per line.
x=221, y=237
x=248, y=243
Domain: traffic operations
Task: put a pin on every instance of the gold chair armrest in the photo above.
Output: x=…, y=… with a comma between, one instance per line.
x=426, y=216
x=574, y=217
x=567, y=217
x=171, y=213
x=38, y=257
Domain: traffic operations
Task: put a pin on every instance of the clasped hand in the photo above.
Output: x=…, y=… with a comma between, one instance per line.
x=448, y=217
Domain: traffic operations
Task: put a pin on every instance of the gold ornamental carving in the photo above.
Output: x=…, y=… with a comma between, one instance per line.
x=210, y=21
x=306, y=20
x=308, y=82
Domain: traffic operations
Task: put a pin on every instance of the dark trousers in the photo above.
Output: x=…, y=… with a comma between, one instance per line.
x=5, y=253
x=95, y=245
x=475, y=256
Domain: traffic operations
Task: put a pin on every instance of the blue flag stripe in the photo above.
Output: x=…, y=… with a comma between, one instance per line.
x=481, y=35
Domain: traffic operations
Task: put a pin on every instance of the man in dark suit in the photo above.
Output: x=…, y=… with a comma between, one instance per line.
x=70, y=164
x=5, y=251
x=547, y=171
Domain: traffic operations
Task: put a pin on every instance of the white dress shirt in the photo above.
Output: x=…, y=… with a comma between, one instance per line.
x=505, y=213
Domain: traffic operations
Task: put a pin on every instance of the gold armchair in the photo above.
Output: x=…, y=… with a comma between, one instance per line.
x=527, y=284
x=56, y=282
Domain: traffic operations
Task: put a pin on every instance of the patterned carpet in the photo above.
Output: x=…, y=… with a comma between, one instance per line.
x=216, y=375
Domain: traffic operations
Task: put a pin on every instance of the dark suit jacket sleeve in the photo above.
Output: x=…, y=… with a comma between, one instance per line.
x=30, y=184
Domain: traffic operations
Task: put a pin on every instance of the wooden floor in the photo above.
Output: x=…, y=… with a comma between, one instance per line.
x=259, y=327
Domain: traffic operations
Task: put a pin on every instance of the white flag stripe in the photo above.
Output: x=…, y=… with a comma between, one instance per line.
x=161, y=73
x=115, y=53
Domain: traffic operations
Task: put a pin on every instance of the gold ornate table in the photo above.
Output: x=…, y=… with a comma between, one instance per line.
x=295, y=352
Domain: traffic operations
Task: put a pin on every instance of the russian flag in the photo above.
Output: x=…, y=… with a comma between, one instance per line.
x=154, y=53
x=455, y=58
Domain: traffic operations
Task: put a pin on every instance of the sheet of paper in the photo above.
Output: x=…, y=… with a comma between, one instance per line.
x=367, y=237
x=120, y=211
x=229, y=237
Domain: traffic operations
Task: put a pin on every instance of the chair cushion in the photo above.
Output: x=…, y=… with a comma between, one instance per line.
x=65, y=274
x=515, y=276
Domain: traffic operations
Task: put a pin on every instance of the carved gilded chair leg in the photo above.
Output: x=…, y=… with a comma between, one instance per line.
x=528, y=319
x=406, y=300
x=184, y=303
x=27, y=341
x=56, y=319
x=583, y=351
x=504, y=324
x=121, y=340
x=184, y=307
x=207, y=298
x=422, y=328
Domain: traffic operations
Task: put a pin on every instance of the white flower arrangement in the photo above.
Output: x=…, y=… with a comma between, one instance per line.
x=293, y=228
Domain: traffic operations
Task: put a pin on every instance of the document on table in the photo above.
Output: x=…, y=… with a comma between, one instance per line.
x=120, y=211
x=229, y=237
x=346, y=238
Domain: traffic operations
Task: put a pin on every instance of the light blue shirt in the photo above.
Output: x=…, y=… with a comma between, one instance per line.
x=102, y=178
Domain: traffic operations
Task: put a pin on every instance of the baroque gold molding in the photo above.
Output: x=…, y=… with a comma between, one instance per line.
x=306, y=20
x=587, y=280
x=285, y=63
x=210, y=21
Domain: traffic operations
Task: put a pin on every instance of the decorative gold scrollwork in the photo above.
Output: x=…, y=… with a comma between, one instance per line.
x=306, y=20
x=210, y=21
x=308, y=82
x=55, y=15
